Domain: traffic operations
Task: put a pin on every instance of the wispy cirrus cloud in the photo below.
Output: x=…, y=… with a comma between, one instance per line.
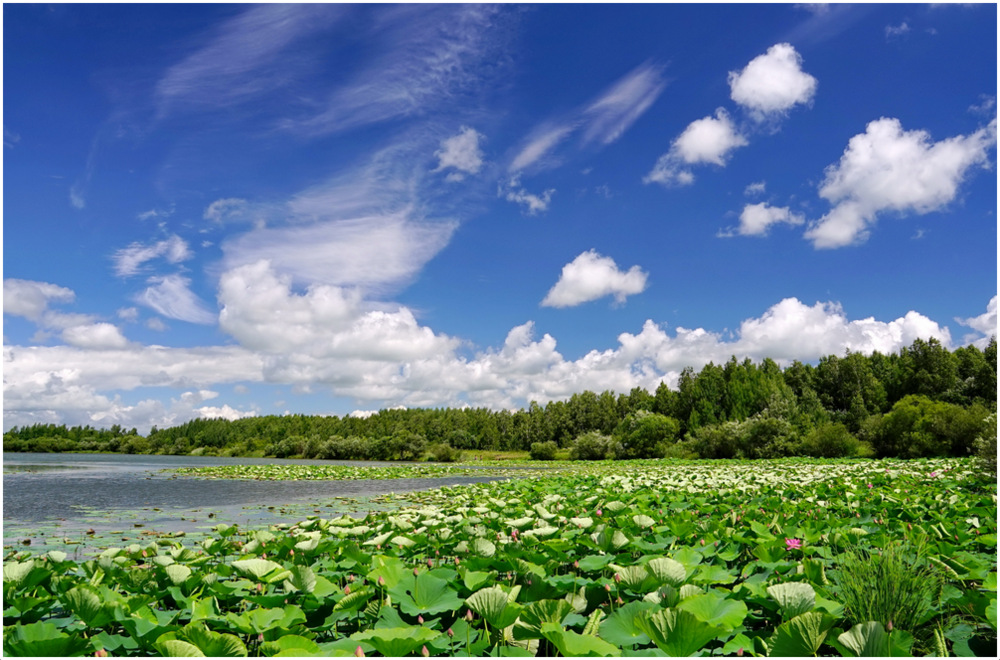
x=171, y=296
x=129, y=261
x=246, y=57
x=429, y=55
x=603, y=120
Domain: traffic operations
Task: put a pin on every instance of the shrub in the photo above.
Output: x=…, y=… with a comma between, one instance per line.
x=716, y=441
x=442, y=452
x=985, y=448
x=646, y=435
x=591, y=446
x=543, y=451
x=832, y=440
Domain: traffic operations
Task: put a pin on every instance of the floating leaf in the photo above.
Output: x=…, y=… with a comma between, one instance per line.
x=622, y=629
x=716, y=610
x=573, y=644
x=794, y=598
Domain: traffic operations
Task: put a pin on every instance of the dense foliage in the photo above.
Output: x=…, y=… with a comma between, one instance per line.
x=780, y=558
x=923, y=401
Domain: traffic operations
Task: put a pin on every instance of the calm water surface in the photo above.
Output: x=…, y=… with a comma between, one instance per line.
x=80, y=491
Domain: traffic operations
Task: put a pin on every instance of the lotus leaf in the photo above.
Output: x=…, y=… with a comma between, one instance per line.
x=716, y=609
x=42, y=640
x=794, y=598
x=677, y=632
x=621, y=627
x=396, y=642
x=573, y=644
x=492, y=603
x=800, y=636
x=667, y=571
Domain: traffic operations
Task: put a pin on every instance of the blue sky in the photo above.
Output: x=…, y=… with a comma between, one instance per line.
x=231, y=210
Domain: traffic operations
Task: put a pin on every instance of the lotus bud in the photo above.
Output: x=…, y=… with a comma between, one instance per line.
x=739, y=652
x=260, y=638
x=450, y=632
x=607, y=587
x=347, y=590
x=420, y=619
x=350, y=578
x=468, y=615
x=291, y=553
x=702, y=542
x=378, y=546
x=424, y=652
x=456, y=561
x=618, y=578
x=143, y=553
x=598, y=512
x=359, y=652
x=415, y=571
x=100, y=653
x=576, y=564
x=430, y=563
x=888, y=626
x=381, y=581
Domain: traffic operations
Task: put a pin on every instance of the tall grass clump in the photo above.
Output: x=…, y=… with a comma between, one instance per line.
x=892, y=585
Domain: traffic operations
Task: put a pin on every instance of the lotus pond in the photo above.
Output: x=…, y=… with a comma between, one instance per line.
x=779, y=558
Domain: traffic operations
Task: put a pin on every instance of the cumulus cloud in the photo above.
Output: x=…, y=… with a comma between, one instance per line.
x=512, y=191
x=706, y=140
x=985, y=325
x=889, y=169
x=772, y=83
x=172, y=297
x=757, y=219
x=591, y=276
x=30, y=299
x=129, y=261
x=94, y=335
x=892, y=31
x=461, y=153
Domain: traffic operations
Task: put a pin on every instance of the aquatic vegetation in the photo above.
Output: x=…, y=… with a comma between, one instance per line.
x=286, y=472
x=640, y=558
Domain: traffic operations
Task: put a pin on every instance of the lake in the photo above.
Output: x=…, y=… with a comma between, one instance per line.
x=54, y=500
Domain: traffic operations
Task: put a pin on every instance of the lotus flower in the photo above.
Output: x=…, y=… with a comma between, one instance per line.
x=793, y=544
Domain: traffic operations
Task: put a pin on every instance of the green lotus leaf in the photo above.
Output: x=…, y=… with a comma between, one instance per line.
x=528, y=625
x=178, y=573
x=301, y=578
x=592, y=563
x=632, y=577
x=573, y=644
x=175, y=648
x=583, y=522
x=14, y=572
x=621, y=628
x=390, y=569
x=716, y=609
x=262, y=570
x=867, y=639
x=85, y=602
x=493, y=604
x=211, y=643
x=800, y=636
x=289, y=643
x=396, y=642
x=794, y=598
x=483, y=547
x=643, y=521
x=42, y=640
x=425, y=594
x=677, y=632
x=667, y=571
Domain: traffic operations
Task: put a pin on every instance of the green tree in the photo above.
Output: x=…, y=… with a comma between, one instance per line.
x=646, y=435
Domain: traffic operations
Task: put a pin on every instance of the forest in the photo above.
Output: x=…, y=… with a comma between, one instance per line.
x=924, y=401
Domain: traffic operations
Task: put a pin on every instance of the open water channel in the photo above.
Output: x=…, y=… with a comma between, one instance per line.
x=85, y=501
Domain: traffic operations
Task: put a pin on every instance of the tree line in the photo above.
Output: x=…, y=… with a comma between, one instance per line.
x=923, y=400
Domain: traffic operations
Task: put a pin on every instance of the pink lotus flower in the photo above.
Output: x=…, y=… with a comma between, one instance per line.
x=793, y=544
x=933, y=474
x=870, y=486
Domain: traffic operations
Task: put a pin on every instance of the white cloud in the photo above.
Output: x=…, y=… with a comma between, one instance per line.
x=985, y=325
x=591, y=276
x=987, y=105
x=31, y=299
x=244, y=58
x=757, y=219
x=512, y=191
x=754, y=189
x=228, y=209
x=461, y=152
x=540, y=144
x=607, y=118
x=772, y=83
x=94, y=335
x=603, y=120
x=171, y=296
x=892, y=31
x=889, y=169
x=156, y=324
x=128, y=314
x=706, y=140
x=427, y=55
x=129, y=261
